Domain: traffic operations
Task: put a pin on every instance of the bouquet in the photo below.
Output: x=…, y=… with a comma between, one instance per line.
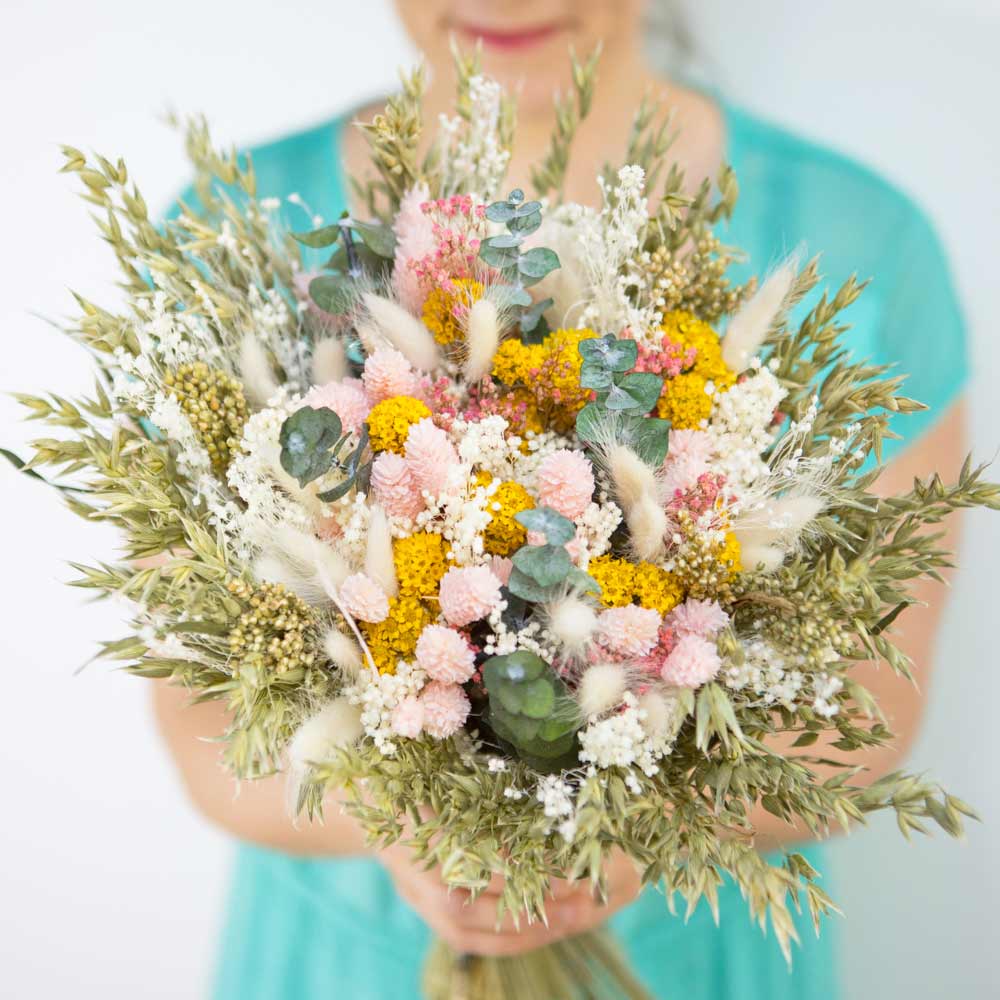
x=469, y=509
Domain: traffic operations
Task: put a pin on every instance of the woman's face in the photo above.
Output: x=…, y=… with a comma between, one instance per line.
x=525, y=42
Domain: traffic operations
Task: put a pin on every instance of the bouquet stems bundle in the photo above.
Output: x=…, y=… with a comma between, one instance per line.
x=514, y=520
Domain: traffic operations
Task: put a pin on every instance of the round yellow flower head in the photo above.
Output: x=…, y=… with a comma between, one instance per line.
x=684, y=401
x=516, y=364
x=686, y=329
x=503, y=535
x=421, y=560
x=657, y=588
x=395, y=638
x=390, y=421
x=442, y=309
x=616, y=578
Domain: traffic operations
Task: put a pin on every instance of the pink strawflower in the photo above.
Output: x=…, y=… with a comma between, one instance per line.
x=468, y=594
x=694, y=661
x=566, y=482
x=628, y=632
x=408, y=717
x=394, y=486
x=445, y=654
x=665, y=642
x=501, y=567
x=446, y=707
x=347, y=399
x=364, y=599
x=431, y=456
x=689, y=457
x=414, y=241
x=694, y=617
x=387, y=373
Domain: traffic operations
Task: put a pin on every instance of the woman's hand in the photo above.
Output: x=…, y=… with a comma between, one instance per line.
x=470, y=927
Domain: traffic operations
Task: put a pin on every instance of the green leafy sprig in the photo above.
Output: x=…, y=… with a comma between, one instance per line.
x=520, y=269
x=541, y=571
x=623, y=400
x=311, y=442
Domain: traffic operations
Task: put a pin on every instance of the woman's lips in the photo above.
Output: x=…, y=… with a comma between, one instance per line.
x=510, y=39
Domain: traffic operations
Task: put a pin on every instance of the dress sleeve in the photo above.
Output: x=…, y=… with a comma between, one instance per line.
x=923, y=330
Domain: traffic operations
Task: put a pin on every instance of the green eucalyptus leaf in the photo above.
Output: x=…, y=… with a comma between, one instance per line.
x=591, y=422
x=500, y=211
x=644, y=387
x=522, y=585
x=595, y=375
x=531, y=317
x=525, y=223
x=648, y=437
x=319, y=238
x=378, y=237
x=501, y=257
x=510, y=295
x=333, y=293
x=617, y=398
x=582, y=582
x=538, y=262
x=547, y=565
x=558, y=530
x=308, y=439
x=538, y=698
x=617, y=355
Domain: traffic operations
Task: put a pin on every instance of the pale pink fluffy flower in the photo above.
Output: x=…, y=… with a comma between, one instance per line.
x=414, y=241
x=408, y=717
x=692, y=662
x=468, y=594
x=689, y=457
x=387, y=373
x=347, y=399
x=395, y=487
x=566, y=482
x=501, y=567
x=446, y=707
x=364, y=599
x=431, y=456
x=694, y=617
x=628, y=632
x=445, y=654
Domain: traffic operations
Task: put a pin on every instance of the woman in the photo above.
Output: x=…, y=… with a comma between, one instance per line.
x=312, y=913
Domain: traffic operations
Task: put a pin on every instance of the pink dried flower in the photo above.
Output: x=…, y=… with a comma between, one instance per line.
x=387, y=373
x=468, y=594
x=445, y=654
x=694, y=661
x=689, y=457
x=394, y=485
x=446, y=707
x=364, y=599
x=414, y=241
x=408, y=717
x=501, y=567
x=628, y=632
x=694, y=617
x=347, y=399
x=431, y=456
x=665, y=642
x=566, y=482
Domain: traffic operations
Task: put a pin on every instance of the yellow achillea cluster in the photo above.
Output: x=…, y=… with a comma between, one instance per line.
x=390, y=421
x=503, y=535
x=442, y=309
x=685, y=401
x=623, y=582
x=421, y=560
x=396, y=638
x=550, y=371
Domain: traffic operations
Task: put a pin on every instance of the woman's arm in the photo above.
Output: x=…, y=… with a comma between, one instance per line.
x=942, y=449
x=253, y=811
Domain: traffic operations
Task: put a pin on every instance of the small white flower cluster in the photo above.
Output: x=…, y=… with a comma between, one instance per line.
x=765, y=673
x=481, y=443
x=460, y=518
x=741, y=427
x=532, y=637
x=474, y=153
x=594, y=530
x=825, y=688
x=378, y=694
x=621, y=740
x=556, y=796
x=353, y=515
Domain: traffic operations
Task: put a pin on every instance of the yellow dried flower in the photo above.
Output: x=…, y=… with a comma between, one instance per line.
x=442, y=309
x=616, y=578
x=687, y=330
x=390, y=421
x=395, y=638
x=213, y=401
x=657, y=588
x=273, y=635
x=728, y=554
x=515, y=363
x=503, y=535
x=684, y=401
x=421, y=560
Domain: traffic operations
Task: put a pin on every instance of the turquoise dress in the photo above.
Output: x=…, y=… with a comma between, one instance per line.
x=330, y=929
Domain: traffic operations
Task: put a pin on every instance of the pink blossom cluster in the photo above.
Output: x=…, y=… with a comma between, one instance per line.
x=439, y=710
x=400, y=481
x=457, y=226
x=486, y=400
x=685, y=654
x=668, y=359
x=701, y=496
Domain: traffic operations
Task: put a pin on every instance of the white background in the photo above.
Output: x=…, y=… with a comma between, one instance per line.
x=109, y=886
